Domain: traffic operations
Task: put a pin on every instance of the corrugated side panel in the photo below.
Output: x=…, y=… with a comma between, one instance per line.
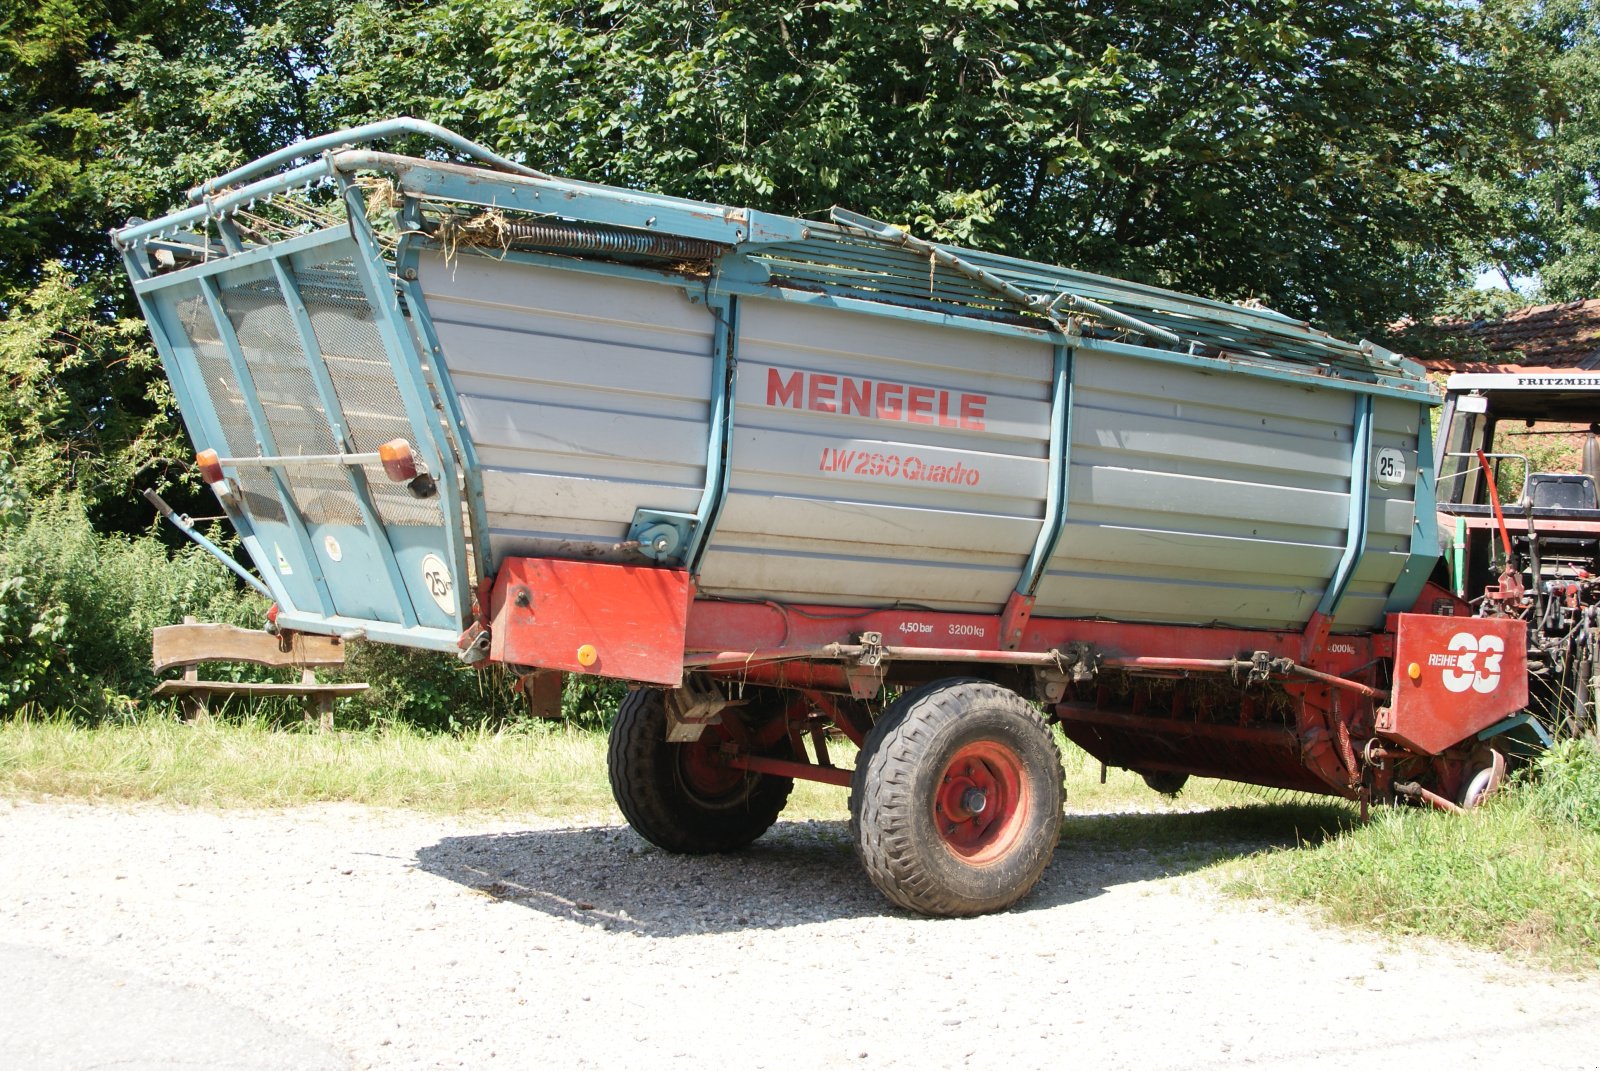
x=1199, y=498
x=1391, y=513
x=586, y=397
x=877, y=460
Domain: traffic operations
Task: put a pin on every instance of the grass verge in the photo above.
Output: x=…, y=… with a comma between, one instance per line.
x=549, y=770
x=542, y=768
x=1520, y=875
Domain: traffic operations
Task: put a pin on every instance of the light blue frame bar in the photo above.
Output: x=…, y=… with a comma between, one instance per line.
x=1425, y=549
x=1360, y=491
x=1055, y=508
x=311, y=350
x=264, y=437
x=407, y=256
x=719, y=445
x=386, y=128
x=406, y=364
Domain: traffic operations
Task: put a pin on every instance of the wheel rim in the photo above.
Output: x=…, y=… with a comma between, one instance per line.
x=981, y=804
x=703, y=773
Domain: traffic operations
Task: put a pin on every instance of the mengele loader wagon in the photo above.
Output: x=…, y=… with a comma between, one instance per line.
x=792, y=478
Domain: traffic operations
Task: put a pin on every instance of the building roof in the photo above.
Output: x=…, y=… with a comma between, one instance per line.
x=1564, y=335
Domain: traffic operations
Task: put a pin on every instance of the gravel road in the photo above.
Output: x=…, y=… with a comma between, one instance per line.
x=337, y=937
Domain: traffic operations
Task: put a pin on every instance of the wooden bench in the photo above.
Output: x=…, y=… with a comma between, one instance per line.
x=189, y=644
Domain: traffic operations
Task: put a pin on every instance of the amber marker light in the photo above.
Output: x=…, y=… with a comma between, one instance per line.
x=587, y=655
x=1414, y=671
x=210, y=467
x=399, y=462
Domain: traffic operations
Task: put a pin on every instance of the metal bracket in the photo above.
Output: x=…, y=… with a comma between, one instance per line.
x=1076, y=662
x=1049, y=684
x=662, y=537
x=473, y=646
x=1081, y=662
x=871, y=648
x=691, y=708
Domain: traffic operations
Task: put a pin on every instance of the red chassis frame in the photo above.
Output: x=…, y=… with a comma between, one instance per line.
x=1345, y=731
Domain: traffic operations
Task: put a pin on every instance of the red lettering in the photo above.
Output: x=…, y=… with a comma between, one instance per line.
x=889, y=401
x=784, y=392
x=855, y=396
x=945, y=420
x=822, y=393
x=919, y=405
x=972, y=406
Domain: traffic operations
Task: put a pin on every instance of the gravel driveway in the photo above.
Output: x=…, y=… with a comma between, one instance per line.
x=337, y=936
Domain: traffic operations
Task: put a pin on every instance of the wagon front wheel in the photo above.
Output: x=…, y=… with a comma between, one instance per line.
x=956, y=799
x=680, y=796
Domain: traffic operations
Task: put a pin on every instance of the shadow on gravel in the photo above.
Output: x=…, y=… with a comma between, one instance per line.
x=806, y=872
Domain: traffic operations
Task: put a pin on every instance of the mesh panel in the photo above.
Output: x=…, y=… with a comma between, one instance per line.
x=288, y=395
x=255, y=483
x=364, y=381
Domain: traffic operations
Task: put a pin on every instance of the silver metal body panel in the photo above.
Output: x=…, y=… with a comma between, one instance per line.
x=1192, y=497
x=586, y=398
x=831, y=504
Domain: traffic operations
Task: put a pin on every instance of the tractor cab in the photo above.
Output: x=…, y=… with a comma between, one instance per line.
x=1519, y=522
x=1518, y=462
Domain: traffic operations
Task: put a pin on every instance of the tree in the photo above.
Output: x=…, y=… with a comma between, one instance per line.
x=1549, y=203
x=1305, y=155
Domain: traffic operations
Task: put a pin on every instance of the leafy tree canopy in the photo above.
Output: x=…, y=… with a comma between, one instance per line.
x=1349, y=162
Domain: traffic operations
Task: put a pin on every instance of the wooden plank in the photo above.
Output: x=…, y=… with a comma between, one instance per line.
x=257, y=688
x=185, y=645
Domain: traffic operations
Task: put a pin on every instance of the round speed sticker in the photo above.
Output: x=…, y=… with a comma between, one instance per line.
x=1391, y=468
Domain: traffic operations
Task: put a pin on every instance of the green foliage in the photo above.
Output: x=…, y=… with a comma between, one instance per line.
x=77, y=609
x=83, y=404
x=427, y=690
x=1312, y=156
x=1501, y=877
x=1544, y=201
x=1564, y=784
x=1521, y=873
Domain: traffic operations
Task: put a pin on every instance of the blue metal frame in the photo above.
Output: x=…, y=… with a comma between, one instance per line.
x=684, y=537
x=407, y=257
x=1360, y=492
x=263, y=432
x=386, y=128
x=406, y=364
x=357, y=477
x=1055, y=508
x=1425, y=549
x=197, y=419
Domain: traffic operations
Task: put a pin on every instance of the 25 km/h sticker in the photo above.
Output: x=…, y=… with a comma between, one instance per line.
x=1390, y=470
x=437, y=578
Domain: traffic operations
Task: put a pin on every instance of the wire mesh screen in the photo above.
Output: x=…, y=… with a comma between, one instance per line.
x=221, y=386
x=276, y=358
x=363, y=379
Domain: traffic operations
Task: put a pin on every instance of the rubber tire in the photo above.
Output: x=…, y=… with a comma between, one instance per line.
x=894, y=784
x=647, y=783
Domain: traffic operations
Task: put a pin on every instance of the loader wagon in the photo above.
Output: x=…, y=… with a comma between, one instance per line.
x=795, y=479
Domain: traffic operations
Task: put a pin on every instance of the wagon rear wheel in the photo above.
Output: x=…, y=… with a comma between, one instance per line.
x=956, y=799
x=680, y=796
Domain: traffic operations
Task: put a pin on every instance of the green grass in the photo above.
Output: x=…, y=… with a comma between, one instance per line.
x=1520, y=875
x=543, y=769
